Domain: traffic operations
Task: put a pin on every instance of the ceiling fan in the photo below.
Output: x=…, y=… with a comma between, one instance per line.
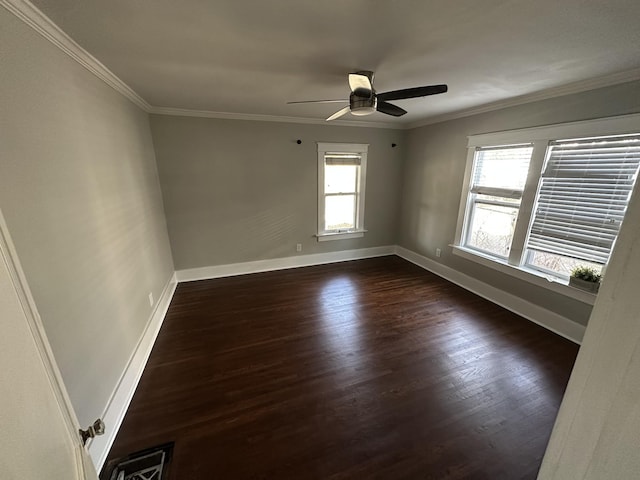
x=364, y=100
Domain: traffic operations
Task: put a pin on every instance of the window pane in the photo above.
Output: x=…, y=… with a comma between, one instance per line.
x=340, y=178
x=492, y=227
x=503, y=167
x=340, y=212
x=557, y=264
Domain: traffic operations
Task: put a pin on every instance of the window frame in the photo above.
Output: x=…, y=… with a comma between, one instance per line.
x=540, y=137
x=495, y=191
x=358, y=231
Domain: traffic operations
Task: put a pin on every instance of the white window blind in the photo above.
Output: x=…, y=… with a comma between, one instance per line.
x=352, y=159
x=501, y=170
x=583, y=195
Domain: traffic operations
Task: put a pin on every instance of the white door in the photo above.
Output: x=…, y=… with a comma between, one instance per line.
x=38, y=428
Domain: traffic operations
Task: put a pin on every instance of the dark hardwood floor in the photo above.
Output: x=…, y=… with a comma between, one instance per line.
x=357, y=370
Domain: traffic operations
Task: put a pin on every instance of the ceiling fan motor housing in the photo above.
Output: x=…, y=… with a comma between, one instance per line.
x=363, y=105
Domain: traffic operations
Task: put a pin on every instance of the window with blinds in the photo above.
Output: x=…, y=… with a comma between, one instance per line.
x=539, y=202
x=498, y=180
x=341, y=181
x=582, y=198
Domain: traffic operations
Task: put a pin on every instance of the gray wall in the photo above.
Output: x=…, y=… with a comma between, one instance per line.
x=237, y=191
x=434, y=171
x=80, y=193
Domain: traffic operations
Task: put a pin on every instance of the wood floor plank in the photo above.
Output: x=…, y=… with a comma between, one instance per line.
x=365, y=369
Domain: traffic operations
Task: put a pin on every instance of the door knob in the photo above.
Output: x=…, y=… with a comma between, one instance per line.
x=96, y=429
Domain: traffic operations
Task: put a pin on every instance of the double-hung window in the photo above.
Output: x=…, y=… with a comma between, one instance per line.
x=546, y=200
x=341, y=189
x=582, y=197
x=499, y=176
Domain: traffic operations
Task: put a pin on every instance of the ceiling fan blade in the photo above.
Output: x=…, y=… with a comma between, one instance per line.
x=360, y=84
x=390, y=109
x=339, y=113
x=412, y=92
x=320, y=101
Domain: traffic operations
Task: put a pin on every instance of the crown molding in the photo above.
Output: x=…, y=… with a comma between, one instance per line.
x=34, y=18
x=568, y=89
x=183, y=112
x=39, y=22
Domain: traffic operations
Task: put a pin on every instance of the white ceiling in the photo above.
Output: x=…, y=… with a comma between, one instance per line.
x=252, y=56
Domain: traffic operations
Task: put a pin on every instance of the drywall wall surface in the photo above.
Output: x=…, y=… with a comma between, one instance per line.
x=434, y=172
x=238, y=191
x=596, y=435
x=80, y=193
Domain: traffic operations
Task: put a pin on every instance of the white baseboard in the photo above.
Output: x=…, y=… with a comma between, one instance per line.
x=118, y=404
x=543, y=317
x=232, y=269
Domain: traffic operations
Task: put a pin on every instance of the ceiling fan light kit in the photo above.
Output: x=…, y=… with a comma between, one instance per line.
x=364, y=100
x=362, y=105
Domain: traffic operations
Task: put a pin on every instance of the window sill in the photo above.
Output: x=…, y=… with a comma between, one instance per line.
x=534, y=277
x=324, y=237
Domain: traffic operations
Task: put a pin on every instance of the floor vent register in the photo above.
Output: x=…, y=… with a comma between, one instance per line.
x=149, y=464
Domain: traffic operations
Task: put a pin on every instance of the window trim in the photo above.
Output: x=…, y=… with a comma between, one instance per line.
x=505, y=193
x=540, y=137
x=359, y=230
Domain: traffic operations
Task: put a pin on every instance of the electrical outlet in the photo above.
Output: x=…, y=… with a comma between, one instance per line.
x=151, y=298
x=438, y=252
x=298, y=247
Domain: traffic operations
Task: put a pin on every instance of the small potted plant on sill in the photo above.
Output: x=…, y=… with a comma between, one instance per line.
x=585, y=278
